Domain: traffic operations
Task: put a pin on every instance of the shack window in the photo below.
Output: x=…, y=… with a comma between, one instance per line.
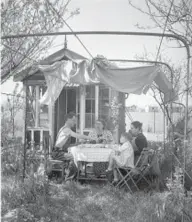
x=90, y=107
x=103, y=102
x=37, y=114
x=43, y=112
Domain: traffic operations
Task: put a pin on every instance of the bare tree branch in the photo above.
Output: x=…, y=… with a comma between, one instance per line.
x=28, y=17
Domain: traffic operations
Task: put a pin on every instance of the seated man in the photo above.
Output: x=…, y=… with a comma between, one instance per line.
x=140, y=141
x=60, y=150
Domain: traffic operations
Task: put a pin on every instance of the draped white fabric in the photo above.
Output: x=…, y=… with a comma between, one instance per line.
x=82, y=71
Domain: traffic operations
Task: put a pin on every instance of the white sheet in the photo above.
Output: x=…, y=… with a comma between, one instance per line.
x=128, y=80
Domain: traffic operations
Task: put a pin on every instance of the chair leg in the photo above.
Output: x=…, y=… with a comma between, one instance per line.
x=63, y=172
x=123, y=180
x=131, y=178
x=128, y=177
x=143, y=177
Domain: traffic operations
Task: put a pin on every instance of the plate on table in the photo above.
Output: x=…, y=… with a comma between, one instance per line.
x=84, y=145
x=112, y=146
x=99, y=145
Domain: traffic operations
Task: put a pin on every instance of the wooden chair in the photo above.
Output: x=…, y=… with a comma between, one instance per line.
x=51, y=164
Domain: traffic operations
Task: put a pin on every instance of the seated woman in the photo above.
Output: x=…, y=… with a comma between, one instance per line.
x=123, y=157
x=101, y=135
x=139, y=142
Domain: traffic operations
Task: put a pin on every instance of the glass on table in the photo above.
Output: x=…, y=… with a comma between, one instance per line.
x=82, y=141
x=113, y=146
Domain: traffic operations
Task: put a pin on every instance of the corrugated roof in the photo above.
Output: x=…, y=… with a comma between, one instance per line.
x=72, y=85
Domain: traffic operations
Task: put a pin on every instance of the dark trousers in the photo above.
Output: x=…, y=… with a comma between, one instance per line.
x=71, y=169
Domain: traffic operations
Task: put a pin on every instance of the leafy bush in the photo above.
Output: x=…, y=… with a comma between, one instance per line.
x=171, y=154
x=11, y=157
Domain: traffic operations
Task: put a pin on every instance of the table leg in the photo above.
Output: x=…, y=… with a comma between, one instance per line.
x=78, y=170
x=63, y=172
x=85, y=170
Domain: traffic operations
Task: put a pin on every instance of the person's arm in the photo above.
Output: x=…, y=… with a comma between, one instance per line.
x=123, y=147
x=110, y=137
x=93, y=135
x=128, y=148
x=80, y=136
x=140, y=143
x=107, y=137
x=178, y=134
x=135, y=148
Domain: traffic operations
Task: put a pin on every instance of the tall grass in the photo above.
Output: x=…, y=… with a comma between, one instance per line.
x=75, y=202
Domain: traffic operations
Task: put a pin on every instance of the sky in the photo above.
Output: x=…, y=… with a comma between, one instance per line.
x=113, y=15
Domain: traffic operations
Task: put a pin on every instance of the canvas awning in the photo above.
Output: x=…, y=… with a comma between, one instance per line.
x=67, y=67
x=99, y=70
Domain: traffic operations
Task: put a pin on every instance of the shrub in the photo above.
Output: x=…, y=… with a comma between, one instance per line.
x=11, y=157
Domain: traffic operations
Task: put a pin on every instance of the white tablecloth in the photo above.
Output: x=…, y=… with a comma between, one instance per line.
x=90, y=154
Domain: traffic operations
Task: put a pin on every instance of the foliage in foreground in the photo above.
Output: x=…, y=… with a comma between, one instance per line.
x=38, y=201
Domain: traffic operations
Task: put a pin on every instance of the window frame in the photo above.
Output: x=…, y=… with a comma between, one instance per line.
x=82, y=98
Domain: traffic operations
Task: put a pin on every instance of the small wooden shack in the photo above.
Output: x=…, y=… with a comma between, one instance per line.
x=66, y=81
x=89, y=102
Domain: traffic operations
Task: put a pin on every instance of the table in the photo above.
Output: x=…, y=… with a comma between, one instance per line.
x=91, y=153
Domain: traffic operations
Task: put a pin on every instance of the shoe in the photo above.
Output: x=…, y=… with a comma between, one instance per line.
x=108, y=171
x=109, y=175
x=115, y=182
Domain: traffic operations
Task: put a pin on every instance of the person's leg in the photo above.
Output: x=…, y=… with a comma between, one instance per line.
x=68, y=156
x=115, y=175
x=112, y=162
x=72, y=168
x=72, y=171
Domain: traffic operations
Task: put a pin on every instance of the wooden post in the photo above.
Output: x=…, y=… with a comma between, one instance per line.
x=154, y=120
x=32, y=167
x=41, y=140
x=121, y=100
x=37, y=106
x=32, y=139
x=114, y=94
x=24, y=127
x=82, y=109
x=13, y=116
x=96, y=102
x=51, y=123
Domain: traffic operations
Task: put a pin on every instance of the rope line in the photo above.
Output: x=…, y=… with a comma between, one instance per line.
x=69, y=28
x=167, y=17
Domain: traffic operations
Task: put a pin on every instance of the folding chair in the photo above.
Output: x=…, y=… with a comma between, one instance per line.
x=124, y=178
x=135, y=175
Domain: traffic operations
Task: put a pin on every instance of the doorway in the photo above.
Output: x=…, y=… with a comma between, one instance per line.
x=65, y=103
